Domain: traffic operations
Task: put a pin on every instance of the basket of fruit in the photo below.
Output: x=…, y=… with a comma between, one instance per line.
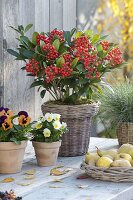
x=111, y=165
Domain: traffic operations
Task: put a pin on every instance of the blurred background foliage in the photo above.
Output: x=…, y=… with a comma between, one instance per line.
x=113, y=18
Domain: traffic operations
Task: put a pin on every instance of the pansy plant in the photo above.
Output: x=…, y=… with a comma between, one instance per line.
x=48, y=128
x=12, y=130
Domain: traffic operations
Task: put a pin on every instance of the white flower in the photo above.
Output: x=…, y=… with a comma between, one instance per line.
x=63, y=125
x=46, y=132
x=48, y=117
x=57, y=125
x=37, y=125
x=56, y=117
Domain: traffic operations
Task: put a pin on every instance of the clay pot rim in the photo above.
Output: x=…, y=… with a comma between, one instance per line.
x=46, y=145
x=6, y=146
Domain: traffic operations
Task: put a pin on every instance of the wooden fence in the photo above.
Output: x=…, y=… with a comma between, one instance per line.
x=45, y=15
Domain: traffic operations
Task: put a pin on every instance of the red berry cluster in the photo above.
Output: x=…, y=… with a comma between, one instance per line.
x=82, y=42
x=105, y=45
x=115, y=57
x=51, y=52
x=58, y=33
x=92, y=73
x=66, y=71
x=43, y=38
x=33, y=67
x=50, y=72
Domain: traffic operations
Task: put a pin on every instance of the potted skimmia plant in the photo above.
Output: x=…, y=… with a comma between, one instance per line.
x=69, y=65
x=47, y=133
x=13, y=139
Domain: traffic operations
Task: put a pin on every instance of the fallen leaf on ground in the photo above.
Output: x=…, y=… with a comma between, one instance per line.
x=30, y=172
x=59, y=166
x=52, y=186
x=82, y=176
x=68, y=169
x=82, y=186
x=58, y=180
x=7, y=180
x=57, y=172
x=25, y=184
x=29, y=177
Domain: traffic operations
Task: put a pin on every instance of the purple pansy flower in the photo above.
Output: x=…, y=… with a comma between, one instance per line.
x=2, y=119
x=6, y=109
x=1, y=108
x=23, y=113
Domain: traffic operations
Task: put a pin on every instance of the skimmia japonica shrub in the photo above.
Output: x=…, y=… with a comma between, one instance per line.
x=67, y=64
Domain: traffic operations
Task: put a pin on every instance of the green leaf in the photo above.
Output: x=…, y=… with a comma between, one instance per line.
x=103, y=37
x=42, y=93
x=23, y=68
x=12, y=52
x=28, y=27
x=21, y=28
x=27, y=53
x=95, y=38
x=74, y=62
x=15, y=29
x=60, y=61
x=35, y=34
x=99, y=47
x=67, y=36
x=42, y=43
x=25, y=40
x=15, y=141
x=78, y=34
x=80, y=68
x=88, y=33
x=36, y=83
x=56, y=44
x=73, y=31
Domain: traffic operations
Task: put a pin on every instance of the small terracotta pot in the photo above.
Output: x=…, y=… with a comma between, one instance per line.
x=11, y=157
x=46, y=153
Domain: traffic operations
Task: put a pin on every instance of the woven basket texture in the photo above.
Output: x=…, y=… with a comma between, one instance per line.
x=114, y=174
x=78, y=118
x=125, y=133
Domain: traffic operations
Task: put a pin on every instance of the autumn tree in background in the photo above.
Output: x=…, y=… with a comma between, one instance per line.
x=115, y=17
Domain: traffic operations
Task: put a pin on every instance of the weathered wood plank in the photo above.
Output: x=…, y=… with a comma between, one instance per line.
x=10, y=17
x=41, y=186
x=69, y=14
x=42, y=24
x=17, y=95
x=56, y=14
x=26, y=15
x=1, y=56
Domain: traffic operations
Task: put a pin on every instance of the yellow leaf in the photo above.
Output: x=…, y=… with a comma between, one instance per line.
x=56, y=172
x=59, y=166
x=29, y=177
x=30, y=172
x=52, y=186
x=7, y=180
x=82, y=186
x=58, y=180
x=25, y=184
x=68, y=169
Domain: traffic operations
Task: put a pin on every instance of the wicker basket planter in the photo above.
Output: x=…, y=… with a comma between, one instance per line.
x=125, y=133
x=114, y=174
x=78, y=119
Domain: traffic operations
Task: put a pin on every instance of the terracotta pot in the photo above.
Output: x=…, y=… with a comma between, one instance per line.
x=78, y=118
x=11, y=157
x=46, y=153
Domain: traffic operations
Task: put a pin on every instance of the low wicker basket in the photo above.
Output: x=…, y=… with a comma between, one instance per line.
x=114, y=174
x=78, y=118
x=125, y=133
